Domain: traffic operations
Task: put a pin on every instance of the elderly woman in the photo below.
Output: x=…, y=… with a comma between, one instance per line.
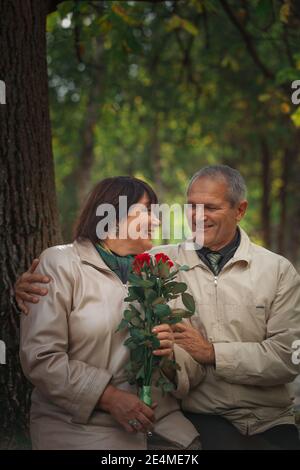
x=70, y=350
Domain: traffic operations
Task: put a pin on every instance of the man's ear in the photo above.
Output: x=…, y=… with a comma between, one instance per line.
x=241, y=209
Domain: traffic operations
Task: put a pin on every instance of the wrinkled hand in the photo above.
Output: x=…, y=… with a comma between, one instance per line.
x=166, y=338
x=194, y=343
x=125, y=406
x=25, y=286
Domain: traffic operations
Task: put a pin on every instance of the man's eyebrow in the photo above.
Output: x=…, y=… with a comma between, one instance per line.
x=207, y=204
x=195, y=203
x=191, y=202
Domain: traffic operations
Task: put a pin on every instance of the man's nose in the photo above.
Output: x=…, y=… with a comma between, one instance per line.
x=202, y=217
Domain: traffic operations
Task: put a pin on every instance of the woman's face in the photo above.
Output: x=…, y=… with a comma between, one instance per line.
x=139, y=226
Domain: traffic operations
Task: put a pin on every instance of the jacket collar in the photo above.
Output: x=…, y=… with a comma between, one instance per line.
x=187, y=252
x=89, y=255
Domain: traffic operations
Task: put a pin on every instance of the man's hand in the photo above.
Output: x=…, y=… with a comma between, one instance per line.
x=194, y=343
x=26, y=286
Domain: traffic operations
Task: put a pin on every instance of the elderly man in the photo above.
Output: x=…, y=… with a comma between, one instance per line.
x=246, y=321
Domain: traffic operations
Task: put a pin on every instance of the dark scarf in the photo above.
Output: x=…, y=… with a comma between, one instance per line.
x=120, y=265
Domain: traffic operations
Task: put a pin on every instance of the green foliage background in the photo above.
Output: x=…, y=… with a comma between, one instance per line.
x=159, y=89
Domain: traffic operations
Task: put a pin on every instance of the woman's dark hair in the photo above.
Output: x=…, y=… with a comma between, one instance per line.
x=108, y=191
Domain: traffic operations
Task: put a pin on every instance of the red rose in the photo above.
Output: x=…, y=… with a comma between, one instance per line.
x=139, y=262
x=164, y=259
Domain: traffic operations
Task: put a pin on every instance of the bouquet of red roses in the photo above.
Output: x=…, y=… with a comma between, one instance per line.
x=151, y=286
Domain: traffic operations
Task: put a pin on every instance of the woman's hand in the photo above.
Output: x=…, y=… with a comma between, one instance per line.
x=25, y=286
x=127, y=408
x=166, y=338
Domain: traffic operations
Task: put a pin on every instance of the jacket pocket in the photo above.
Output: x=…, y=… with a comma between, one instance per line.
x=244, y=322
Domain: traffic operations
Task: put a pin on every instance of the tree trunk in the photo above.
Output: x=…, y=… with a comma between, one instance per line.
x=283, y=202
x=28, y=210
x=155, y=156
x=293, y=219
x=289, y=202
x=78, y=182
x=266, y=185
x=86, y=156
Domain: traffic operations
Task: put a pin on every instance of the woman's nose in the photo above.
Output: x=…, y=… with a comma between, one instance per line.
x=155, y=222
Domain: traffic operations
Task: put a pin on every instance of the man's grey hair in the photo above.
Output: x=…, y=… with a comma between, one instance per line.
x=237, y=189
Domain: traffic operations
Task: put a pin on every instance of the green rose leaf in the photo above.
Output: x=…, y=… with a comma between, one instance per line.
x=138, y=282
x=169, y=285
x=141, y=373
x=135, y=293
x=184, y=267
x=129, y=314
x=158, y=300
x=174, y=320
x=162, y=310
x=138, y=334
x=150, y=295
x=134, y=310
x=188, y=301
x=128, y=341
x=179, y=288
x=132, y=346
x=181, y=312
x=137, y=355
x=133, y=278
x=122, y=325
x=136, y=322
x=155, y=342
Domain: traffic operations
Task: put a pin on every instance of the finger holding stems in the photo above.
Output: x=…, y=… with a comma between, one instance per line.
x=165, y=336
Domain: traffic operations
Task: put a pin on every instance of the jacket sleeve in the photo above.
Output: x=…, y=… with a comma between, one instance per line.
x=271, y=361
x=190, y=374
x=70, y=384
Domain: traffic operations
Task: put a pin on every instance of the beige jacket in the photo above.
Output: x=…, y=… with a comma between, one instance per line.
x=251, y=312
x=71, y=352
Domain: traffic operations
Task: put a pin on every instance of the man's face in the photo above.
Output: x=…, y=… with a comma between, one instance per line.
x=220, y=218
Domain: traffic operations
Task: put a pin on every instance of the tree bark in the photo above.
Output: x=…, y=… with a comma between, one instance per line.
x=283, y=202
x=86, y=155
x=293, y=196
x=28, y=210
x=266, y=186
x=79, y=181
x=155, y=157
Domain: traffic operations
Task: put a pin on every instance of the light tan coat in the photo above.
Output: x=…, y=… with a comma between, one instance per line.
x=251, y=313
x=71, y=352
